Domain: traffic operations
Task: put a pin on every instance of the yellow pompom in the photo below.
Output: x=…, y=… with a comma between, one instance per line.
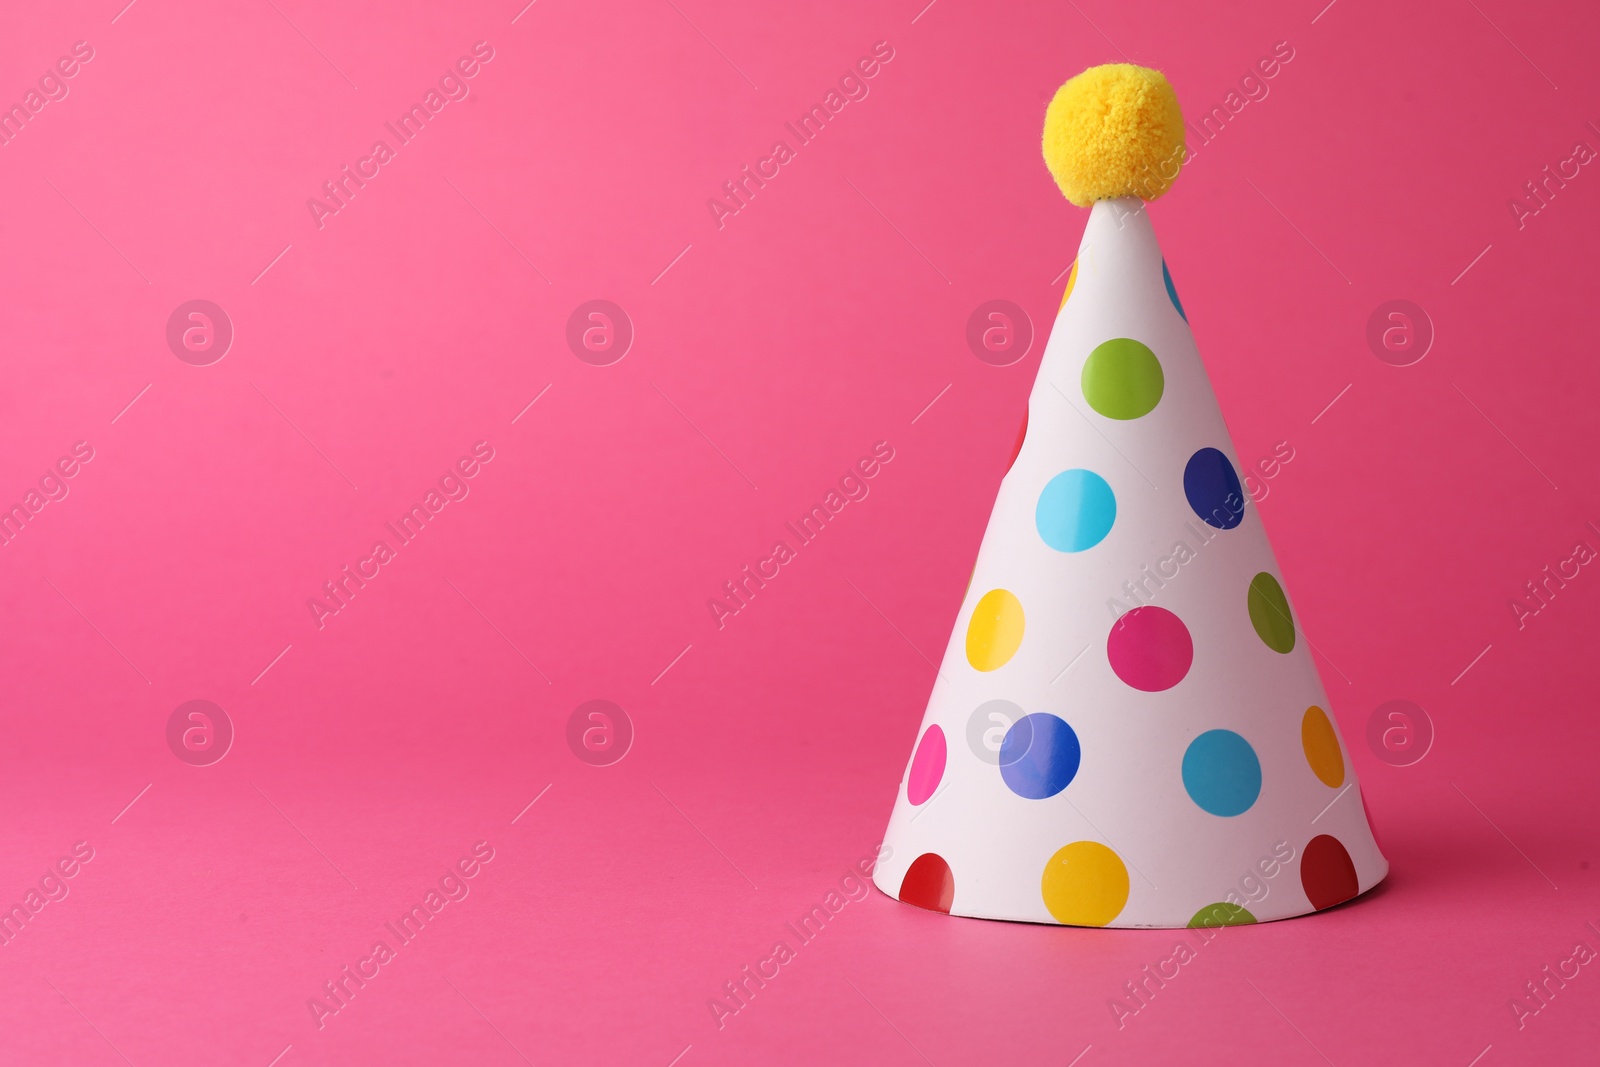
x=1114, y=130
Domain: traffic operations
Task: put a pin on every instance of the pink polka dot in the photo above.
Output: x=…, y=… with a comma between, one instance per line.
x=1150, y=649
x=927, y=766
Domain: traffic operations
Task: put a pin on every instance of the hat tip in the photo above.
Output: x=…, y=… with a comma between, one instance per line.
x=1114, y=130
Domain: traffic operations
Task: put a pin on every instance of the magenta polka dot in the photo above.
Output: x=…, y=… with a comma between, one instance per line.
x=1150, y=649
x=927, y=766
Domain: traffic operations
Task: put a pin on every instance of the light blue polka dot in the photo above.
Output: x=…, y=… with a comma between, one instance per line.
x=1221, y=772
x=1166, y=276
x=1075, y=511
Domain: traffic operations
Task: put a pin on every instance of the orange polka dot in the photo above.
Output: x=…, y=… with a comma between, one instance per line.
x=1321, y=742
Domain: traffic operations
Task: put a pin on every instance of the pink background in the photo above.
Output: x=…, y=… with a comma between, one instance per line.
x=824, y=317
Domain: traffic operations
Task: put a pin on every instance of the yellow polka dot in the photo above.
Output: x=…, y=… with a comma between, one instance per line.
x=995, y=630
x=1085, y=884
x=1072, y=279
x=1321, y=743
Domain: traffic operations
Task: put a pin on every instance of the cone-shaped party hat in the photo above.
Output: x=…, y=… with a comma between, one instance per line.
x=1127, y=728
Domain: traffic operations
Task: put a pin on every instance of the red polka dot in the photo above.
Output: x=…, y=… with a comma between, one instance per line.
x=1326, y=873
x=1022, y=435
x=927, y=766
x=1150, y=649
x=929, y=884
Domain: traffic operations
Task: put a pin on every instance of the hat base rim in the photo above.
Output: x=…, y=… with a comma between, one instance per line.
x=956, y=912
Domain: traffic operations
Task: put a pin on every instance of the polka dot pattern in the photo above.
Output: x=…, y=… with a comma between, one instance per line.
x=994, y=633
x=1222, y=736
x=1321, y=743
x=1213, y=489
x=1075, y=511
x=1269, y=613
x=1122, y=379
x=1085, y=884
x=1327, y=873
x=929, y=884
x=1039, y=756
x=927, y=766
x=1222, y=773
x=1150, y=649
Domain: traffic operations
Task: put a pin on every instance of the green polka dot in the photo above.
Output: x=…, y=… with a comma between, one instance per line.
x=1269, y=613
x=1122, y=379
x=1220, y=914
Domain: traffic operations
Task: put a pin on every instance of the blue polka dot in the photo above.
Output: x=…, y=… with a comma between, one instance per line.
x=1212, y=486
x=1221, y=772
x=1166, y=276
x=1075, y=511
x=1039, y=756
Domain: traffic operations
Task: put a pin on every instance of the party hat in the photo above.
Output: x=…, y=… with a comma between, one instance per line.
x=1127, y=728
